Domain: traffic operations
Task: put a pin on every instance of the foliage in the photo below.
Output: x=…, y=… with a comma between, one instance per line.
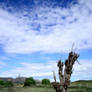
x=29, y=81
x=9, y=83
x=46, y=81
x=5, y=83
x=82, y=83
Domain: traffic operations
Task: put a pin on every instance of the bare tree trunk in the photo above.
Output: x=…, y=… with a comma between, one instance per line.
x=65, y=77
x=54, y=76
x=64, y=90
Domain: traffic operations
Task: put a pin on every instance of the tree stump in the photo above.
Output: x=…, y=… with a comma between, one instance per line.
x=65, y=76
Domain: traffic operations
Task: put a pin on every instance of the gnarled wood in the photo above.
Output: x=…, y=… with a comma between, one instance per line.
x=65, y=77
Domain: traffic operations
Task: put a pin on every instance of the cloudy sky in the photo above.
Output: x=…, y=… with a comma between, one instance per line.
x=34, y=34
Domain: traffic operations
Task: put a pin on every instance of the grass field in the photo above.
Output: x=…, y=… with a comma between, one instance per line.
x=28, y=89
x=35, y=89
x=78, y=86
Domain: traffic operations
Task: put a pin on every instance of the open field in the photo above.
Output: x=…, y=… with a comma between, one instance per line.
x=78, y=86
x=36, y=89
x=28, y=89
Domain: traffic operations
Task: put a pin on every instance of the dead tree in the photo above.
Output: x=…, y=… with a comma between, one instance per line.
x=54, y=76
x=65, y=71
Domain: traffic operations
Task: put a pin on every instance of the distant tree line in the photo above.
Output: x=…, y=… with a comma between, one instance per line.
x=31, y=81
x=28, y=82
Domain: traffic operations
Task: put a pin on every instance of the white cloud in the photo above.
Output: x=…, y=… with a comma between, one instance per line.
x=32, y=69
x=3, y=58
x=2, y=64
x=83, y=71
x=44, y=70
x=59, y=28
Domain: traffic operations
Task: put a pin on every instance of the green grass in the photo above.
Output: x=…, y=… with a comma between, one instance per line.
x=28, y=89
x=44, y=89
x=78, y=86
x=80, y=90
x=82, y=83
x=34, y=89
x=81, y=86
x=4, y=90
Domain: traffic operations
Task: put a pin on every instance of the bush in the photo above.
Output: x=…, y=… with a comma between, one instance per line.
x=29, y=81
x=2, y=83
x=6, y=83
x=9, y=83
x=46, y=81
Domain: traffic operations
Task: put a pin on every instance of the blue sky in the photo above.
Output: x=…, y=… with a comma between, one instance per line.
x=34, y=34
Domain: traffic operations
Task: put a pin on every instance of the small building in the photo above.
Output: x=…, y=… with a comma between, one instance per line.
x=19, y=80
x=38, y=81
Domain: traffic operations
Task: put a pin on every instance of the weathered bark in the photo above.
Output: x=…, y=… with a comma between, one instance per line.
x=54, y=76
x=60, y=72
x=65, y=77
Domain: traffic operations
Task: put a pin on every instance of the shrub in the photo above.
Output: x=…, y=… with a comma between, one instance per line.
x=46, y=81
x=6, y=83
x=2, y=83
x=10, y=83
x=29, y=81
